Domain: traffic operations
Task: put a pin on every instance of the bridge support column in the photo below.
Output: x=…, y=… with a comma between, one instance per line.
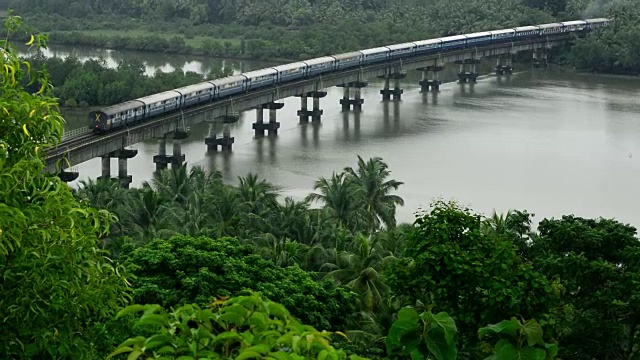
x=357, y=101
x=468, y=71
x=431, y=83
x=396, y=92
x=162, y=160
x=106, y=167
x=304, y=113
x=504, y=66
x=123, y=155
x=226, y=141
x=273, y=125
x=540, y=58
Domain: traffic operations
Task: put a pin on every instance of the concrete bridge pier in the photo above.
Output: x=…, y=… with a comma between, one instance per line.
x=396, y=92
x=357, y=101
x=123, y=155
x=468, y=71
x=226, y=141
x=540, y=58
x=430, y=83
x=504, y=65
x=304, y=113
x=273, y=125
x=106, y=167
x=162, y=160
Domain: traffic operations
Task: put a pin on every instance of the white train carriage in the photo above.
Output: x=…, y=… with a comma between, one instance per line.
x=228, y=86
x=453, y=42
x=479, y=38
x=293, y=71
x=260, y=78
x=196, y=94
x=401, y=50
x=347, y=60
x=578, y=25
x=550, y=29
x=373, y=55
x=320, y=65
x=503, y=35
x=596, y=23
x=161, y=103
x=426, y=46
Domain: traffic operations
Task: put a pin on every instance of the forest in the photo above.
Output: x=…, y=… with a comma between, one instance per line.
x=188, y=267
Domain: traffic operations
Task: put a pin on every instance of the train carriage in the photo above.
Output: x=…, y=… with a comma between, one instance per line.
x=347, y=60
x=401, y=50
x=196, y=94
x=378, y=54
x=228, y=86
x=453, y=42
x=116, y=116
x=426, y=46
x=293, y=71
x=502, y=35
x=569, y=26
x=596, y=23
x=523, y=32
x=551, y=29
x=479, y=38
x=161, y=103
x=320, y=65
x=260, y=78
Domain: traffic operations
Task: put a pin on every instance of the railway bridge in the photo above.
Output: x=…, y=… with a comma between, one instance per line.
x=83, y=145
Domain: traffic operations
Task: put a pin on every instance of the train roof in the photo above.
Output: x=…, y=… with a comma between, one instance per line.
x=502, y=31
x=291, y=66
x=477, y=34
x=527, y=28
x=374, y=50
x=428, y=42
x=453, y=38
x=163, y=96
x=320, y=60
x=551, y=25
x=401, y=46
x=118, y=108
x=227, y=80
x=574, y=22
x=261, y=72
x=347, y=55
x=195, y=88
x=597, y=20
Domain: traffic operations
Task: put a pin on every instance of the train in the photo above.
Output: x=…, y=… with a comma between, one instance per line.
x=136, y=111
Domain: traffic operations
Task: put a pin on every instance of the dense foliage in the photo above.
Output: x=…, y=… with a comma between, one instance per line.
x=92, y=83
x=614, y=49
x=56, y=284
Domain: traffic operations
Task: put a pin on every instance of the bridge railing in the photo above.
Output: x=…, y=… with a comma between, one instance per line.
x=69, y=134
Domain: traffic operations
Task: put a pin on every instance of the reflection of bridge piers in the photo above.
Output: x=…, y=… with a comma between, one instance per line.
x=468, y=70
x=396, y=92
x=504, y=65
x=273, y=125
x=431, y=83
x=123, y=155
x=316, y=112
x=357, y=101
x=226, y=140
x=304, y=129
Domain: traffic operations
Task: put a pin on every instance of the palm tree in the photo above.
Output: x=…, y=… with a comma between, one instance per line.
x=151, y=215
x=256, y=196
x=378, y=202
x=496, y=224
x=339, y=196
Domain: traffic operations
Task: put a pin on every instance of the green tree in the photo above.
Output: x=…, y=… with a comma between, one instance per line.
x=56, y=283
x=183, y=270
x=474, y=277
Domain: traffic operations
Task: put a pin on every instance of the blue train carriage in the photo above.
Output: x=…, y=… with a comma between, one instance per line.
x=478, y=39
x=370, y=56
x=573, y=26
x=289, y=72
x=399, y=51
x=504, y=35
x=164, y=102
x=116, y=116
x=196, y=94
x=525, y=32
x=228, y=86
x=428, y=46
x=551, y=29
x=261, y=78
x=348, y=60
x=320, y=65
x=453, y=42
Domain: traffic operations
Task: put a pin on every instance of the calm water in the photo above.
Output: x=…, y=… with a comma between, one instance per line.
x=550, y=142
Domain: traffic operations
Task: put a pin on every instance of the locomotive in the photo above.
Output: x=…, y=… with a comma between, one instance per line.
x=141, y=109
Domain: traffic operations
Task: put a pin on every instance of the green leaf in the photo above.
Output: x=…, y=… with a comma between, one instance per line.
x=506, y=327
x=120, y=350
x=157, y=340
x=531, y=353
x=130, y=310
x=533, y=332
x=444, y=322
x=153, y=319
x=552, y=350
x=248, y=355
x=134, y=355
x=408, y=314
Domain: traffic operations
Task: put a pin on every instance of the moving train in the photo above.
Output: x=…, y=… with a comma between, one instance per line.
x=138, y=110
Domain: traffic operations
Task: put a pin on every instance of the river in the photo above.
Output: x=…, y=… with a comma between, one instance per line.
x=549, y=141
